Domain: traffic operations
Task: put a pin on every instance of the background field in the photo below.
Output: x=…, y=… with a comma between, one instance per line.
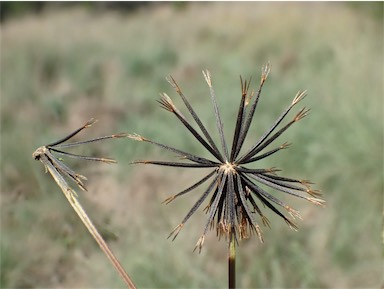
x=65, y=65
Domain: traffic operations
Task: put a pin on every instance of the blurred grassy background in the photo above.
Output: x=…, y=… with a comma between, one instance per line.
x=66, y=64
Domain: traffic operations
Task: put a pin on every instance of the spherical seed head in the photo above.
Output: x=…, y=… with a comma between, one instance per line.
x=235, y=192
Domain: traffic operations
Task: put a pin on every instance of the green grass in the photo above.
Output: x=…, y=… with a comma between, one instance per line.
x=63, y=67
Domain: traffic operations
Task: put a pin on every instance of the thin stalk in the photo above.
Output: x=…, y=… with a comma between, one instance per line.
x=232, y=260
x=71, y=196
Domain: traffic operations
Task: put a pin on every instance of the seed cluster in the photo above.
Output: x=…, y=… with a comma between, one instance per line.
x=235, y=189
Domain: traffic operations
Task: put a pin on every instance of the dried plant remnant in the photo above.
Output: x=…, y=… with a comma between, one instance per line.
x=235, y=188
x=60, y=171
x=45, y=153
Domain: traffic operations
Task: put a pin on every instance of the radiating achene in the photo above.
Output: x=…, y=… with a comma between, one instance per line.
x=234, y=187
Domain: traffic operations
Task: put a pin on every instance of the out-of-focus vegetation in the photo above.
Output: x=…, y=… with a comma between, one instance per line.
x=67, y=64
x=13, y=9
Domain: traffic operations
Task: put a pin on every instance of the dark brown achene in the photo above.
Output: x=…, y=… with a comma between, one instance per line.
x=234, y=188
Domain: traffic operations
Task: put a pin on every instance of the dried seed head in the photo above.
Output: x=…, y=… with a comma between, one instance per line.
x=37, y=153
x=234, y=192
x=228, y=168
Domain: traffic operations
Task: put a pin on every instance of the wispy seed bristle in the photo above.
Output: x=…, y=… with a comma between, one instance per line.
x=207, y=76
x=119, y=135
x=166, y=102
x=199, y=243
x=299, y=96
x=249, y=97
x=81, y=177
x=291, y=225
x=314, y=193
x=285, y=145
x=306, y=183
x=316, y=201
x=265, y=71
x=259, y=233
x=135, y=137
x=108, y=161
x=90, y=122
x=301, y=114
x=176, y=231
x=266, y=221
x=173, y=83
x=294, y=214
x=168, y=200
x=273, y=170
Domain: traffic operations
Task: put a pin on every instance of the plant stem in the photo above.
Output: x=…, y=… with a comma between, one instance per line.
x=232, y=260
x=71, y=196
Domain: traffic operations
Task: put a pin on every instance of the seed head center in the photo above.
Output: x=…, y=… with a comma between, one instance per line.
x=228, y=168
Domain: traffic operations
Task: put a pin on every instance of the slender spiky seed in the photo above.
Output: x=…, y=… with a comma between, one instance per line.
x=228, y=207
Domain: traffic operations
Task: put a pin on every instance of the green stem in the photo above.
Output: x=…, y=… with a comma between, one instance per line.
x=232, y=260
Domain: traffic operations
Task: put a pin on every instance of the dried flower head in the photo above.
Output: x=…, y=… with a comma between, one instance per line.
x=60, y=172
x=45, y=154
x=235, y=189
